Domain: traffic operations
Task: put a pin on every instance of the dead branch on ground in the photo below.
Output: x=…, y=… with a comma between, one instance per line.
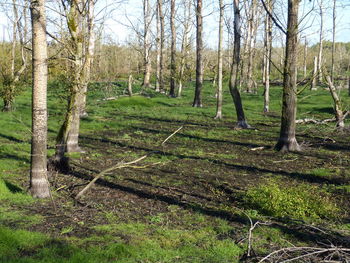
x=121, y=165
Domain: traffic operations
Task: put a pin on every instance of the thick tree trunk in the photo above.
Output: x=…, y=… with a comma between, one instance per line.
x=39, y=186
x=234, y=80
x=173, y=51
x=219, y=85
x=287, y=140
x=89, y=56
x=197, y=102
x=130, y=82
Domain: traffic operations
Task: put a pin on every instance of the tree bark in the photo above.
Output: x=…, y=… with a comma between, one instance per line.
x=159, y=50
x=219, y=85
x=314, y=75
x=320, y=50
x=146, y=43
x=287, y=140
x=267, y=57
x=39, y=186
x=333, y=39
x=339, y=116
x=197, y=102
x=184, y=45
x=173, y=50
x=234, y=78
x=162, y=39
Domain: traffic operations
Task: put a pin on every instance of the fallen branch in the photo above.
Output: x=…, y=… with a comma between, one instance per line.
x=306, y=252
x=121, y=165
x=307, y=120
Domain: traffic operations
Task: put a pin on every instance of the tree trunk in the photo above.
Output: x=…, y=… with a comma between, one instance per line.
x=305, y=58
x=234, y=81
x=314, y=75
x=219, y=87
x=320, y=50
x=146, y=43
x=89, y=56
x=130, y=81
x=339, y=116
x=159, y=49
x=252, y=29
x=287, y=140
x=162, y=39
x=184, y=45
x=268, y=51
x=199, y=60
x=333, y=39
x=68, y=137
x=39, y=186
x=173, y=50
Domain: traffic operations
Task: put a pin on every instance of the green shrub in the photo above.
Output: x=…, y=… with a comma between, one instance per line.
x=299, y=201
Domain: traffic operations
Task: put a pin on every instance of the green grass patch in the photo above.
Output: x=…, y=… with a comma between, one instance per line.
x=298, y=201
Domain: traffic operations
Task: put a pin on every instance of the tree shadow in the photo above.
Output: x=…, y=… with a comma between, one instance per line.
x=254, y=170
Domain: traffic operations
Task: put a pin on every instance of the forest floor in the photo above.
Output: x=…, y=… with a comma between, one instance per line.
x=193, y=198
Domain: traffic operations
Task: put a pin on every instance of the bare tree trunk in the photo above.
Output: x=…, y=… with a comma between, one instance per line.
x=314, y=75
x=146, y=43
x=39, y=186
x=159, y=49
x=333, y=39
x=199, y=60
x=130, y=81
x=173, y=50
x=89, y=56
x=287, y=140
x=320, y=50
x=234, y=79
x=219, y=87
x=184, y=44
x=68, y=137
x=267, y=57
x=251, y=53
x=305, y=58
x=162, y=39
x=339, y=116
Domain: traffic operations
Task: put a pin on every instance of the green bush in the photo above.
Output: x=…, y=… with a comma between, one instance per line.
x=299, y=201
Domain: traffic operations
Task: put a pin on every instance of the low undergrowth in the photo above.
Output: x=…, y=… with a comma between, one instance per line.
x=297, y=201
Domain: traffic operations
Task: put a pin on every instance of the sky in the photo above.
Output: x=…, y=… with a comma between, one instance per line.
x=117, y=25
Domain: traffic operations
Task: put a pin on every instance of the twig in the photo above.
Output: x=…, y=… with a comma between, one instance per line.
x=114, y=167
x=171, y=135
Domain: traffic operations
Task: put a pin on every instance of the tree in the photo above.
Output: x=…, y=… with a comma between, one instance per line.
x=11, y=79
x=173, y=50
x=287, y=140
x=160, y=48
x=197, y=102
x=68, y=136
x=234, y=78
x=146, y=43
x=320, y=49
x=39, y=186
x=267, y=56
x=184, y=44
x=219, y=87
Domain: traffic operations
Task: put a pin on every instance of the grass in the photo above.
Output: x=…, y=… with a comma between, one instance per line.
x=182, y=209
